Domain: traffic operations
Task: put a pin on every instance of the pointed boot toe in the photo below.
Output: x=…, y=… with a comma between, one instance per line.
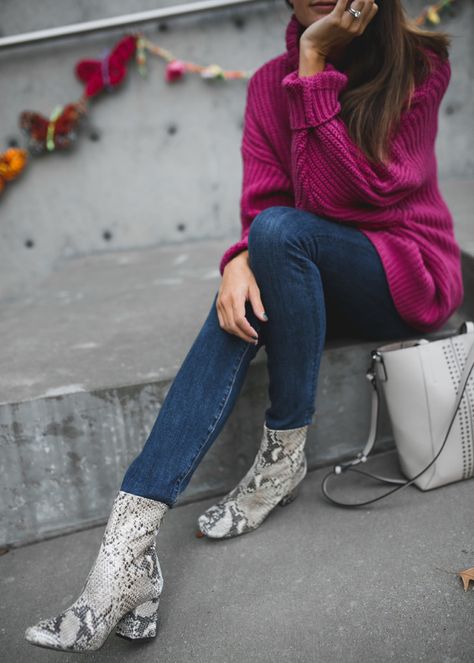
x=54, y=633
x=221, y=522
x=37, y=635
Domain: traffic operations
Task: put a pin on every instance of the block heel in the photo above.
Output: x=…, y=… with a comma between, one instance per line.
x=139, y=623
x=288, y=499
x=293, y=492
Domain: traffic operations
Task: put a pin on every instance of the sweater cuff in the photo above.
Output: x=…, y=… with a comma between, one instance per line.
x=314, y=99
x=231, y=252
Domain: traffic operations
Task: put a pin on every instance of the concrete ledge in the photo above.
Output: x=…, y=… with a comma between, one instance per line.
x=87, y=361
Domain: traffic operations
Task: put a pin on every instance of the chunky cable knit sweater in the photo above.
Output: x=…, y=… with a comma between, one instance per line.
x=297, y=152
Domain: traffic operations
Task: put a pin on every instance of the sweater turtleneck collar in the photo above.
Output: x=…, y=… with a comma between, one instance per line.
x=294, y=30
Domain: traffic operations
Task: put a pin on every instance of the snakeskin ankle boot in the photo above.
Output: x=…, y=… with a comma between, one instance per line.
x=123, y=587
x=278, y=468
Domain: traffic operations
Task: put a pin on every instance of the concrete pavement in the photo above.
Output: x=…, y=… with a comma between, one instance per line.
x=314, y=584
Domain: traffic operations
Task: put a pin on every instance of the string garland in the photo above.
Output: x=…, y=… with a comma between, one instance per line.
x=431, y=14
x=60, y=130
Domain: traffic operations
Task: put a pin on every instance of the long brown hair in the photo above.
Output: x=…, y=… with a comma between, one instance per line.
x=383, y=65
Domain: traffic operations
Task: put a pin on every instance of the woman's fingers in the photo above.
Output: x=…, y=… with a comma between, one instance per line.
x=241, y=324
x=368, y=12
x=220, y=317
x=232, y=318
x=238, y=284
x=340, y=8
x=226, y=322
x=256, y=302
x=368, y=9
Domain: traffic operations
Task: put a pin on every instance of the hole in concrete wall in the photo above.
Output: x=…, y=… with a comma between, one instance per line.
x=94, y=135
x=172, y=129
x=107, y=235
x=239, y=22
x=29, y=243
x=13, y=142
x=453, y=107
x=162, y=27
x=181, y=227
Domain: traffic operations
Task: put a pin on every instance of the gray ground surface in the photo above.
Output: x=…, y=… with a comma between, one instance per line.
x=315, y=583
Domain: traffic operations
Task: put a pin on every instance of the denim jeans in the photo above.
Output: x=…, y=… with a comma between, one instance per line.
x=318, y=279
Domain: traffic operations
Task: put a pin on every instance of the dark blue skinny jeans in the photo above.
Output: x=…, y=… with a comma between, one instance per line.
x=317, y=279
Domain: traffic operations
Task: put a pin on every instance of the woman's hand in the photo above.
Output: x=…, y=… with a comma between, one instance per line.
x=238, y=284
x=335, y=30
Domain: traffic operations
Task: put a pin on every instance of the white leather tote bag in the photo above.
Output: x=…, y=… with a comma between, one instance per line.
x=428, y=387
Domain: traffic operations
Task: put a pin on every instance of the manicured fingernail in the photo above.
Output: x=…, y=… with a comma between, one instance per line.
x=264, y=316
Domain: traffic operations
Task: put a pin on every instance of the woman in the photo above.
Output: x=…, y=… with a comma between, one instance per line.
x=343, y=228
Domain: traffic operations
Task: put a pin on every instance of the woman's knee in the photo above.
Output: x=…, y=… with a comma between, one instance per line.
x=269, y=232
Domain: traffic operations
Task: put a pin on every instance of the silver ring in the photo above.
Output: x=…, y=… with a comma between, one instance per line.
x=355, y=12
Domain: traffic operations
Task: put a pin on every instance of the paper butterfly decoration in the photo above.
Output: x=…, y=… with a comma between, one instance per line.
x=57, y=132
x=109, y=71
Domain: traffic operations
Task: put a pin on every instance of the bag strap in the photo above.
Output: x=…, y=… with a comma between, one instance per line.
x=362, y=455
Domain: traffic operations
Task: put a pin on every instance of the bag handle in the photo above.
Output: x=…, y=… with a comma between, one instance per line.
x=362, y=455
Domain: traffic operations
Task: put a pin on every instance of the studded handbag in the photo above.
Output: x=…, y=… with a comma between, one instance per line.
x=428, y=388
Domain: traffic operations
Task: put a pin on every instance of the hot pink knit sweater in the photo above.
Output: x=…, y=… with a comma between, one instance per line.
x=297, y=152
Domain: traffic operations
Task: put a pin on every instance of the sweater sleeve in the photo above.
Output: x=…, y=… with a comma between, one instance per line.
x=331, y=175
x=265, y=182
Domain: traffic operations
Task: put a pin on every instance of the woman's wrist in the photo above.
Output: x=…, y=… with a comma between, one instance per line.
x=311, y=61
x=241, y=256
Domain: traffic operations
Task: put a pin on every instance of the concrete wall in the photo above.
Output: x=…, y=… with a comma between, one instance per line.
x=166, y=167
x=62, y=457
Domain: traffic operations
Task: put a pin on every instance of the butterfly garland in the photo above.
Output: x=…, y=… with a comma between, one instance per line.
x=109, y=71
x=431, y=13
x=60, y=130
